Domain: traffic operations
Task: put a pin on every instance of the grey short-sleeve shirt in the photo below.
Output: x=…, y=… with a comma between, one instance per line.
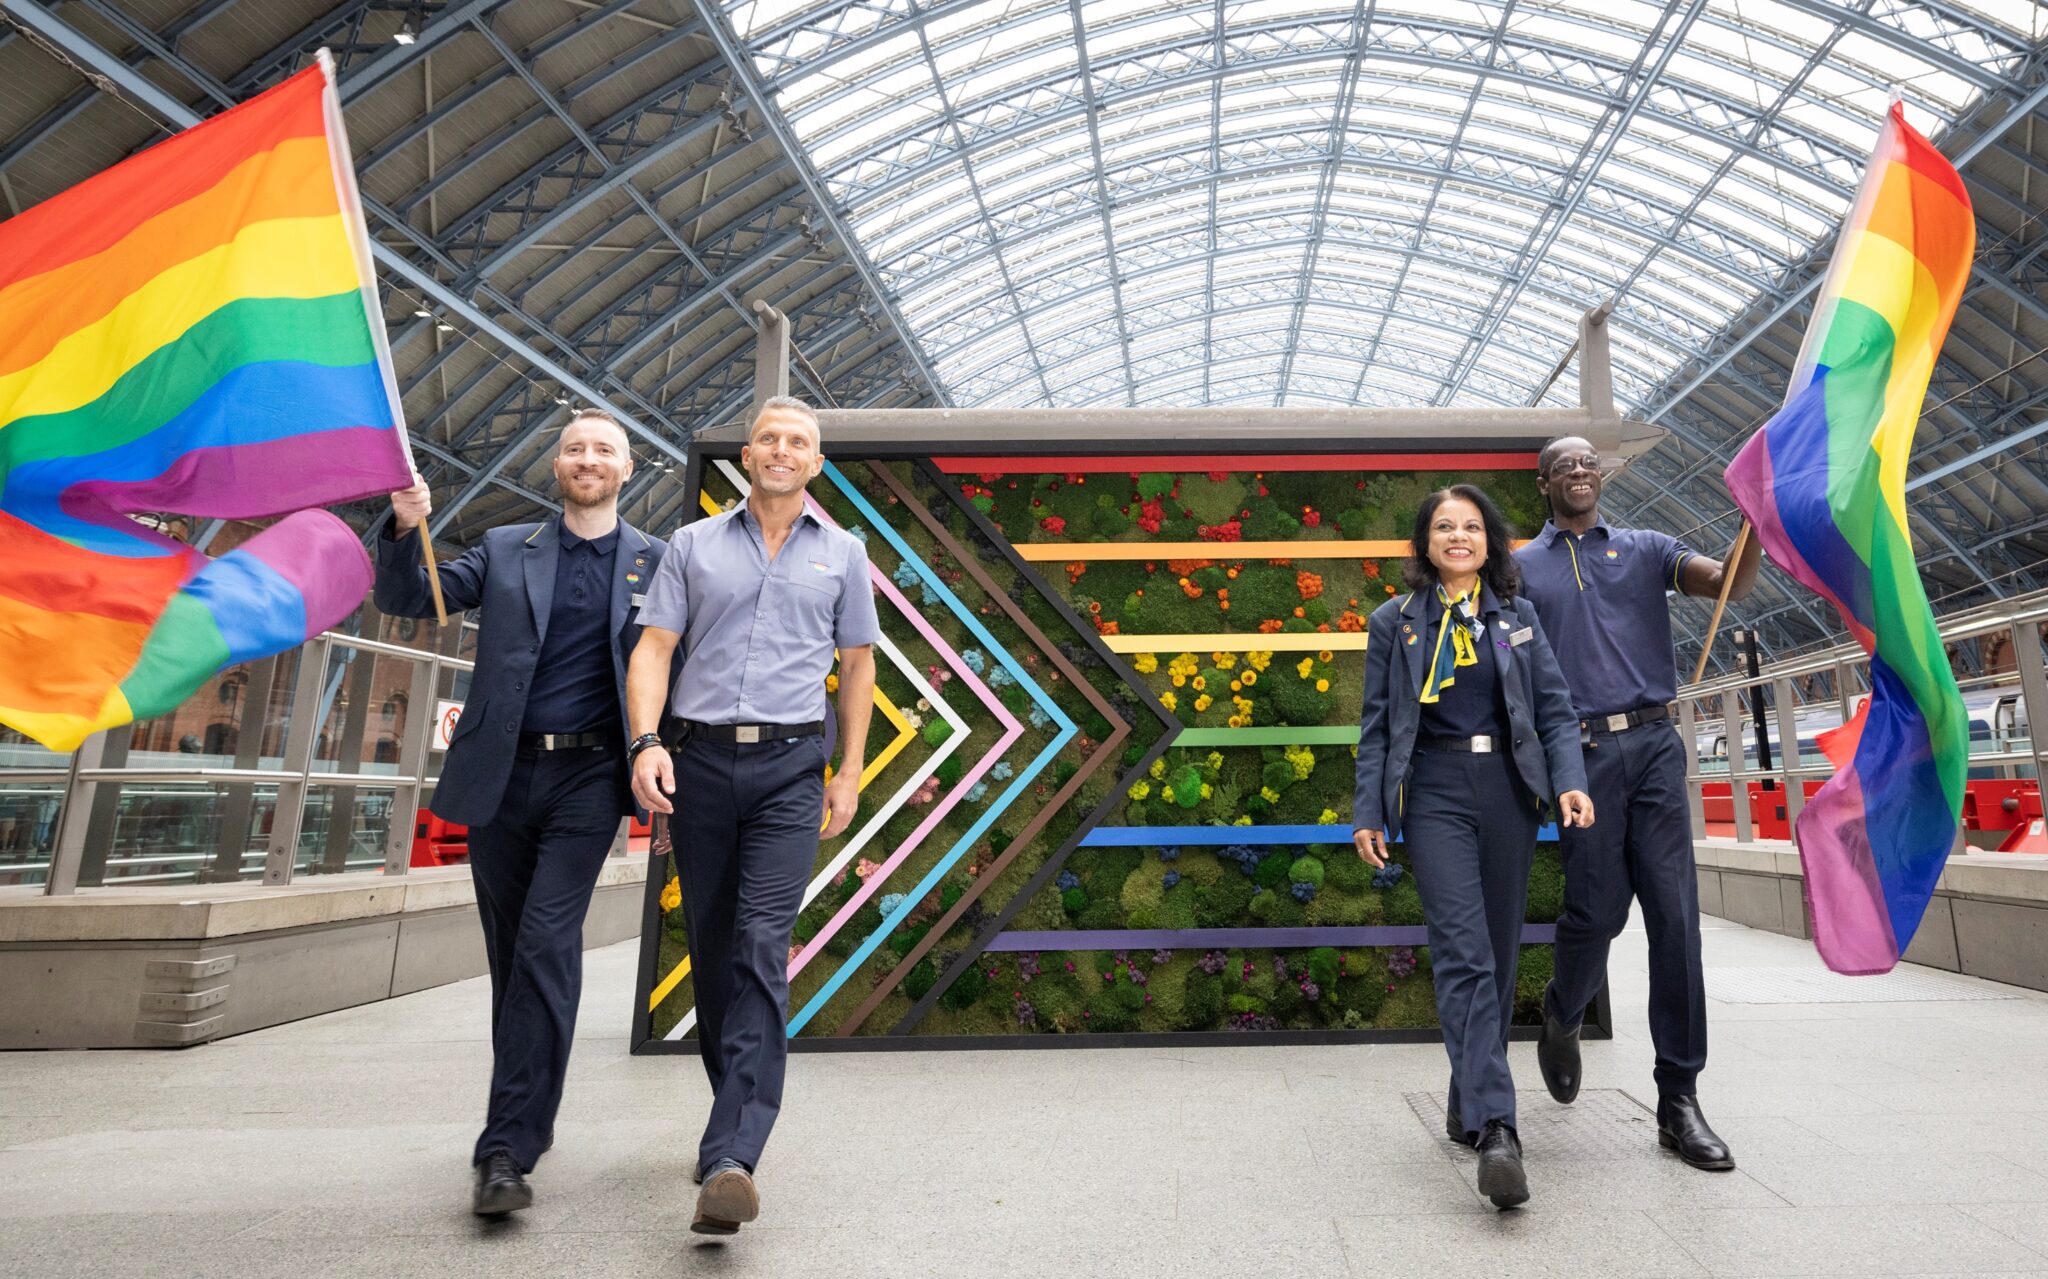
x=758, y=635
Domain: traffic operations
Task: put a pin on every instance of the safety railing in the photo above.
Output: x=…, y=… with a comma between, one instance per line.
x=2005, y=689
x=332, y=800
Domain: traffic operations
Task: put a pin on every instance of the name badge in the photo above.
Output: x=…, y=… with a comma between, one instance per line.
x=1523, y=636
x=636, y=600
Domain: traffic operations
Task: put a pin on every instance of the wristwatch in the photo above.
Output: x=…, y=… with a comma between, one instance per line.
x=641, y=743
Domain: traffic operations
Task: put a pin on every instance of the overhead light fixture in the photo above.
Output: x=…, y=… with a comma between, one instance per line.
x=405, y=34
x=444, y=326
x=424, y=314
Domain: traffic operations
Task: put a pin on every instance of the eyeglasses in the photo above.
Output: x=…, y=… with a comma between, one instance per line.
x=1566, y=465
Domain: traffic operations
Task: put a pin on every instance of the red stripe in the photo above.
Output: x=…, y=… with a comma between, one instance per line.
x=1920, y=155
x=57, y=576
x=1190, y=462
x=98, y=212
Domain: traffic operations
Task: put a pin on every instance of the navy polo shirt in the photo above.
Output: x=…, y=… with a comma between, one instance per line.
x=575, y=689
x=1472, y=706
x=1600, y=596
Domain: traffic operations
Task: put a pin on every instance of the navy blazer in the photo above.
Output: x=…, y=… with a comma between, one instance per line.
x=510, y=576
x=1541, y=722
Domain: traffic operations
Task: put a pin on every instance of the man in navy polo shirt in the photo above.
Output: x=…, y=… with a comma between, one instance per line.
x=756, y=599
x=1601, y=594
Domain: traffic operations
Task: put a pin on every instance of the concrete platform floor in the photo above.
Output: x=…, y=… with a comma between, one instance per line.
x=1874, y=1138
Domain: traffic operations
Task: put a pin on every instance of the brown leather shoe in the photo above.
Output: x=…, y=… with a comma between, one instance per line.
x=727, y=1201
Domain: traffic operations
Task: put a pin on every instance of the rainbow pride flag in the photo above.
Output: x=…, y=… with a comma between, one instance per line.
x=1824, y=482
x=195, y=330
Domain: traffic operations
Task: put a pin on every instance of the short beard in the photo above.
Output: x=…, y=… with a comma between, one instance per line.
x=607, y=492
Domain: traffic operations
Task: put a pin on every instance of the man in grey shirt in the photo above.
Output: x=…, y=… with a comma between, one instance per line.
x=757, y=598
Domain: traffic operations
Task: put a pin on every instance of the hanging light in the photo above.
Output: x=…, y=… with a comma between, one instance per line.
x=405, y=33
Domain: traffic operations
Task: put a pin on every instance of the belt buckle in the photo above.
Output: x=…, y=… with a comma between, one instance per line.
x=1616, y=723
x=547, y=741
x=746, y=734
x=1482, y=746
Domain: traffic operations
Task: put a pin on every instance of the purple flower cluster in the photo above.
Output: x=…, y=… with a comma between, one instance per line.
x=1211, y=962
x=1401, y=962
x=1027, y=965
x=1068, y=879
x=1170, y=853
x=1303, y=892
x=1387, y=876
x=1245, y=855
x=1169, y=879
x=1161, y=956
x=1026, y=1014
x=1251, y=1021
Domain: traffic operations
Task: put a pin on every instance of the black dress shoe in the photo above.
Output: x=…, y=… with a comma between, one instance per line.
x=1500, y=1166
x=1454, y=1127
x=1557, y=1055
x=728, y=1200
x=500, y=1186
x=1681, y=1127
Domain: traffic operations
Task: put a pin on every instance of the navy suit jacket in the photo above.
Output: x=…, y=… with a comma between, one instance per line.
x=1541, y=723
x=510, y=576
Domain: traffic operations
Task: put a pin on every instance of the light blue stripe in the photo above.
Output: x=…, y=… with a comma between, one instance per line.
x=1206, y=836
x=989, y=815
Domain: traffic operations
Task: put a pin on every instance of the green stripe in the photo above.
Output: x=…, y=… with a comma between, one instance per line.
x=1322, y=735
x=182, y=651
x=1858, y=356
x=1909, y=642
x=327, y=331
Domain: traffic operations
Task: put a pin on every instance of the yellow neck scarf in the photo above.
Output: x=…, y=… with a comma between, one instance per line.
x=1454, y=647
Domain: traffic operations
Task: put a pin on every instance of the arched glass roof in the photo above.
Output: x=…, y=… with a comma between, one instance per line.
x=1101, y=202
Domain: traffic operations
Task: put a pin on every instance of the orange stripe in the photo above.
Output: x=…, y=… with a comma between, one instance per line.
x=63, y=663
x=293, y=180
x=102, y=211
x=44, y=572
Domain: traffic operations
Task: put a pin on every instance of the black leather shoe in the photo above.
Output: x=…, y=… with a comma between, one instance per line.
x=1454, y=1127
x=1500, y=1166
x=1557, y=1055
x=727, y=1201
x=1681, y=1127
x=500, y=1186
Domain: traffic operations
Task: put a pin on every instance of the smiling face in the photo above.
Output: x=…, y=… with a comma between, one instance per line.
x=1569, y=477
x=1457, y=538
x=782, y=454
x=592, y=462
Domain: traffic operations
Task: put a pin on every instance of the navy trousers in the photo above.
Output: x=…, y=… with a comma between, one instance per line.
x=1470, y=832
x=1640, y=845
x=746, y=840
x=534, y=867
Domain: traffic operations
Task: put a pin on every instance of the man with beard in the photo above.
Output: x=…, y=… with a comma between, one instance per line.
x=537, y=765
x=1600, y=592
x=756, y=599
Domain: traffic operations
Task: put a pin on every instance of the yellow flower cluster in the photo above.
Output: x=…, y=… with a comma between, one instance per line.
x=1159, y=765
x=1222, y=661
x=1145, y=663
x=1203, y=702
x=1323, y=656
x=1268, y=794
x=1166, y=793
x=1169, y=701
x=1207, y=790
x=1183, y=668
x=832, y=682
x=1214, y=759
x=672, y=894
x=1141, y=789
x=1304, y=666
x=1303, y=759
x=1328, y=817
x=1244, y=819
x=1248, y=679
x=1322, y=686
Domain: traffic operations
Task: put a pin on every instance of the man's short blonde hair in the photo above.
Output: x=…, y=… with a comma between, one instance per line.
x=789, y=403
x=596, y=415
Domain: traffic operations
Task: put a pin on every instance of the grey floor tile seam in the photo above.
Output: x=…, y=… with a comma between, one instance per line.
x=2001, y=1231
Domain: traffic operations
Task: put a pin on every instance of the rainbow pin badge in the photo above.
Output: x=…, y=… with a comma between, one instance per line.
x=632, y=579
x=1613, y=554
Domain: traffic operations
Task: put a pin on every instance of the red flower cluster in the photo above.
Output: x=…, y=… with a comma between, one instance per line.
x=1372, y=569
x=1269, y=626
x=1309, y=584
x=1217, y=477
x=1181, y=568
x=1311, y=519
x=1350, y=621
x=1151, y=515
x=1228, y=531
x=988, y=477
x=972, y=491
x=1053, y=524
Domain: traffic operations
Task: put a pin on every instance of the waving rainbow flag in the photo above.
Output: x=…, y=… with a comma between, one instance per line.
x=196, y=330
x=1824, y=482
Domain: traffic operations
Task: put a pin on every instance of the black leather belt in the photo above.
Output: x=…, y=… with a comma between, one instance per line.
x=564, y=741
x=1481, y=745
x=746, y=734
x=1626, y=720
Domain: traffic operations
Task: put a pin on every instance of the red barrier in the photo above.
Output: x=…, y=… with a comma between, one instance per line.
x=436, y=842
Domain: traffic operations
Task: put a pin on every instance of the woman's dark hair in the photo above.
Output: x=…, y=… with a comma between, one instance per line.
x=1499, y=572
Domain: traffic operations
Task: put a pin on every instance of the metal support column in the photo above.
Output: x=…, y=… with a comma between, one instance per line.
x=299, y=740
x=62, y=880
x=771, y=355
x=412, y=765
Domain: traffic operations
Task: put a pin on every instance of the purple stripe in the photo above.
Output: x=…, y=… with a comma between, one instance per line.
x=1852, y=927
x=1232, y=938
x=249, y=481
x=321, y=556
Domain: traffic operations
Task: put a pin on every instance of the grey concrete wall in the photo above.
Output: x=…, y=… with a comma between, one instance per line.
x=68, y=989
x=1988, y=917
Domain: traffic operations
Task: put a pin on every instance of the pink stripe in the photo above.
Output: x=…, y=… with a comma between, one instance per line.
x=1012, y=730
x=1852, y=928
x=312, y=550
x=1753, y=484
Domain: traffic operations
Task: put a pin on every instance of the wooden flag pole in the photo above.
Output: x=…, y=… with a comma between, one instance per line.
x=1727, y=580
x=434, y=575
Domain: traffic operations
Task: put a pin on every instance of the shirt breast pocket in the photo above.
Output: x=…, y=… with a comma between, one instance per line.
x=811, y=604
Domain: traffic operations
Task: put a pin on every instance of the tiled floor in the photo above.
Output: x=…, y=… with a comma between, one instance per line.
x=1874, y=1138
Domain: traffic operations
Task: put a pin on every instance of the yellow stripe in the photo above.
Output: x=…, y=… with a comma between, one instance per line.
x=669, y=983
x=1891, y=280
x=1282, y=642
x=1571, y=544
x=282, y=258
x=62, y=731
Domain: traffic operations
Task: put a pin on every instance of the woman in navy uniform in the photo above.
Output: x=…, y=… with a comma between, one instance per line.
x=1467, y=733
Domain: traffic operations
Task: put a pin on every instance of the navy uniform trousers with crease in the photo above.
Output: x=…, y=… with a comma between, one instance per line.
x=1471, y=835
x=746, y=840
